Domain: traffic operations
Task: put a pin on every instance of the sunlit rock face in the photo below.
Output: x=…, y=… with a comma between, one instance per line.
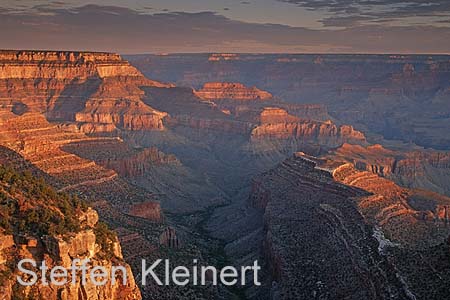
x=420, y=168
x=99, y=91
x=231, y=90
x=82, y=240
x=276, y=123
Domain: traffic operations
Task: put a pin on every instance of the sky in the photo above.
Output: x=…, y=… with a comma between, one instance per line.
x=239, y=26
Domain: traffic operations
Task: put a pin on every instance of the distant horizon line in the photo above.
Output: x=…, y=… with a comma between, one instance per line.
x=161, y=53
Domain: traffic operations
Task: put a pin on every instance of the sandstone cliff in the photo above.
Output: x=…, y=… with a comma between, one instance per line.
x=117, y=155
x=228, y=90
x=90, y=88
x=276, y=123
x=79, y=163
x=54, y=227
x=424, y=169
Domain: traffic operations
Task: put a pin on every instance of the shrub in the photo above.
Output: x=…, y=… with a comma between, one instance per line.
x=43, y=216
x=105, y=238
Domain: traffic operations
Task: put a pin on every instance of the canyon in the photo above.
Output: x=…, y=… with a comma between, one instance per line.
x=313, y=207
x=401, y=97
x=291, y=166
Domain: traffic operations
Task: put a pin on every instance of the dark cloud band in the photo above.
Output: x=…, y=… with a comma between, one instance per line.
x=351, y=12
x=109, y=28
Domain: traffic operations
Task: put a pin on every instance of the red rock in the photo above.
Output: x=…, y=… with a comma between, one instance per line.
x=90, y=88
x=278, y=124
x=228, y=90
x=139, y=163
x=147, y=210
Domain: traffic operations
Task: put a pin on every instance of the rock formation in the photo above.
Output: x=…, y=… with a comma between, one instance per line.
x=424, y=169
x=49, y=231
x=147, y=210
x=278, y=124
x=44, y=144
x=99, y=89
x=390, y=205
x=115, y=154
x=169, y=238
x=308, y=218
x=228, y=90
x=258, y=121
x=316, y=207
x=401, y=97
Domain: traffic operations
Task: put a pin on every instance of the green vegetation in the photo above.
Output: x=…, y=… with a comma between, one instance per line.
x=105, y=238
x=29, y=205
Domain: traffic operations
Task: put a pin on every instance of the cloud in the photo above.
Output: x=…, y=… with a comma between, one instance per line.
x=378, y=11
x=347, y=21
x=123, y=30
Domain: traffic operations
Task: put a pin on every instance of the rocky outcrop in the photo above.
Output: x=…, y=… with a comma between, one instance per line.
x=169, y=238
x=424, y=169
x=56, y=230
x=308, y=218
x=316, y=207
x=84, y=241
x=228, y=90
x=147, y=210
x=117, y=155
x=100, y=89
x=62, y=65
x=274, y=115
x=278, y=124
x=118, y=101
x=140, y=163
x=393, y=207
x=88, y=218
x=80, y=163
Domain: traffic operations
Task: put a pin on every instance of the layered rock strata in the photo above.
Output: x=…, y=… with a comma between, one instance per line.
x=229, y=90
x=424, y=169
x=317, y=209
x=316, y=242
x=44, y=144
x=276, y=123
x=55, y=231
x=98, y=90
